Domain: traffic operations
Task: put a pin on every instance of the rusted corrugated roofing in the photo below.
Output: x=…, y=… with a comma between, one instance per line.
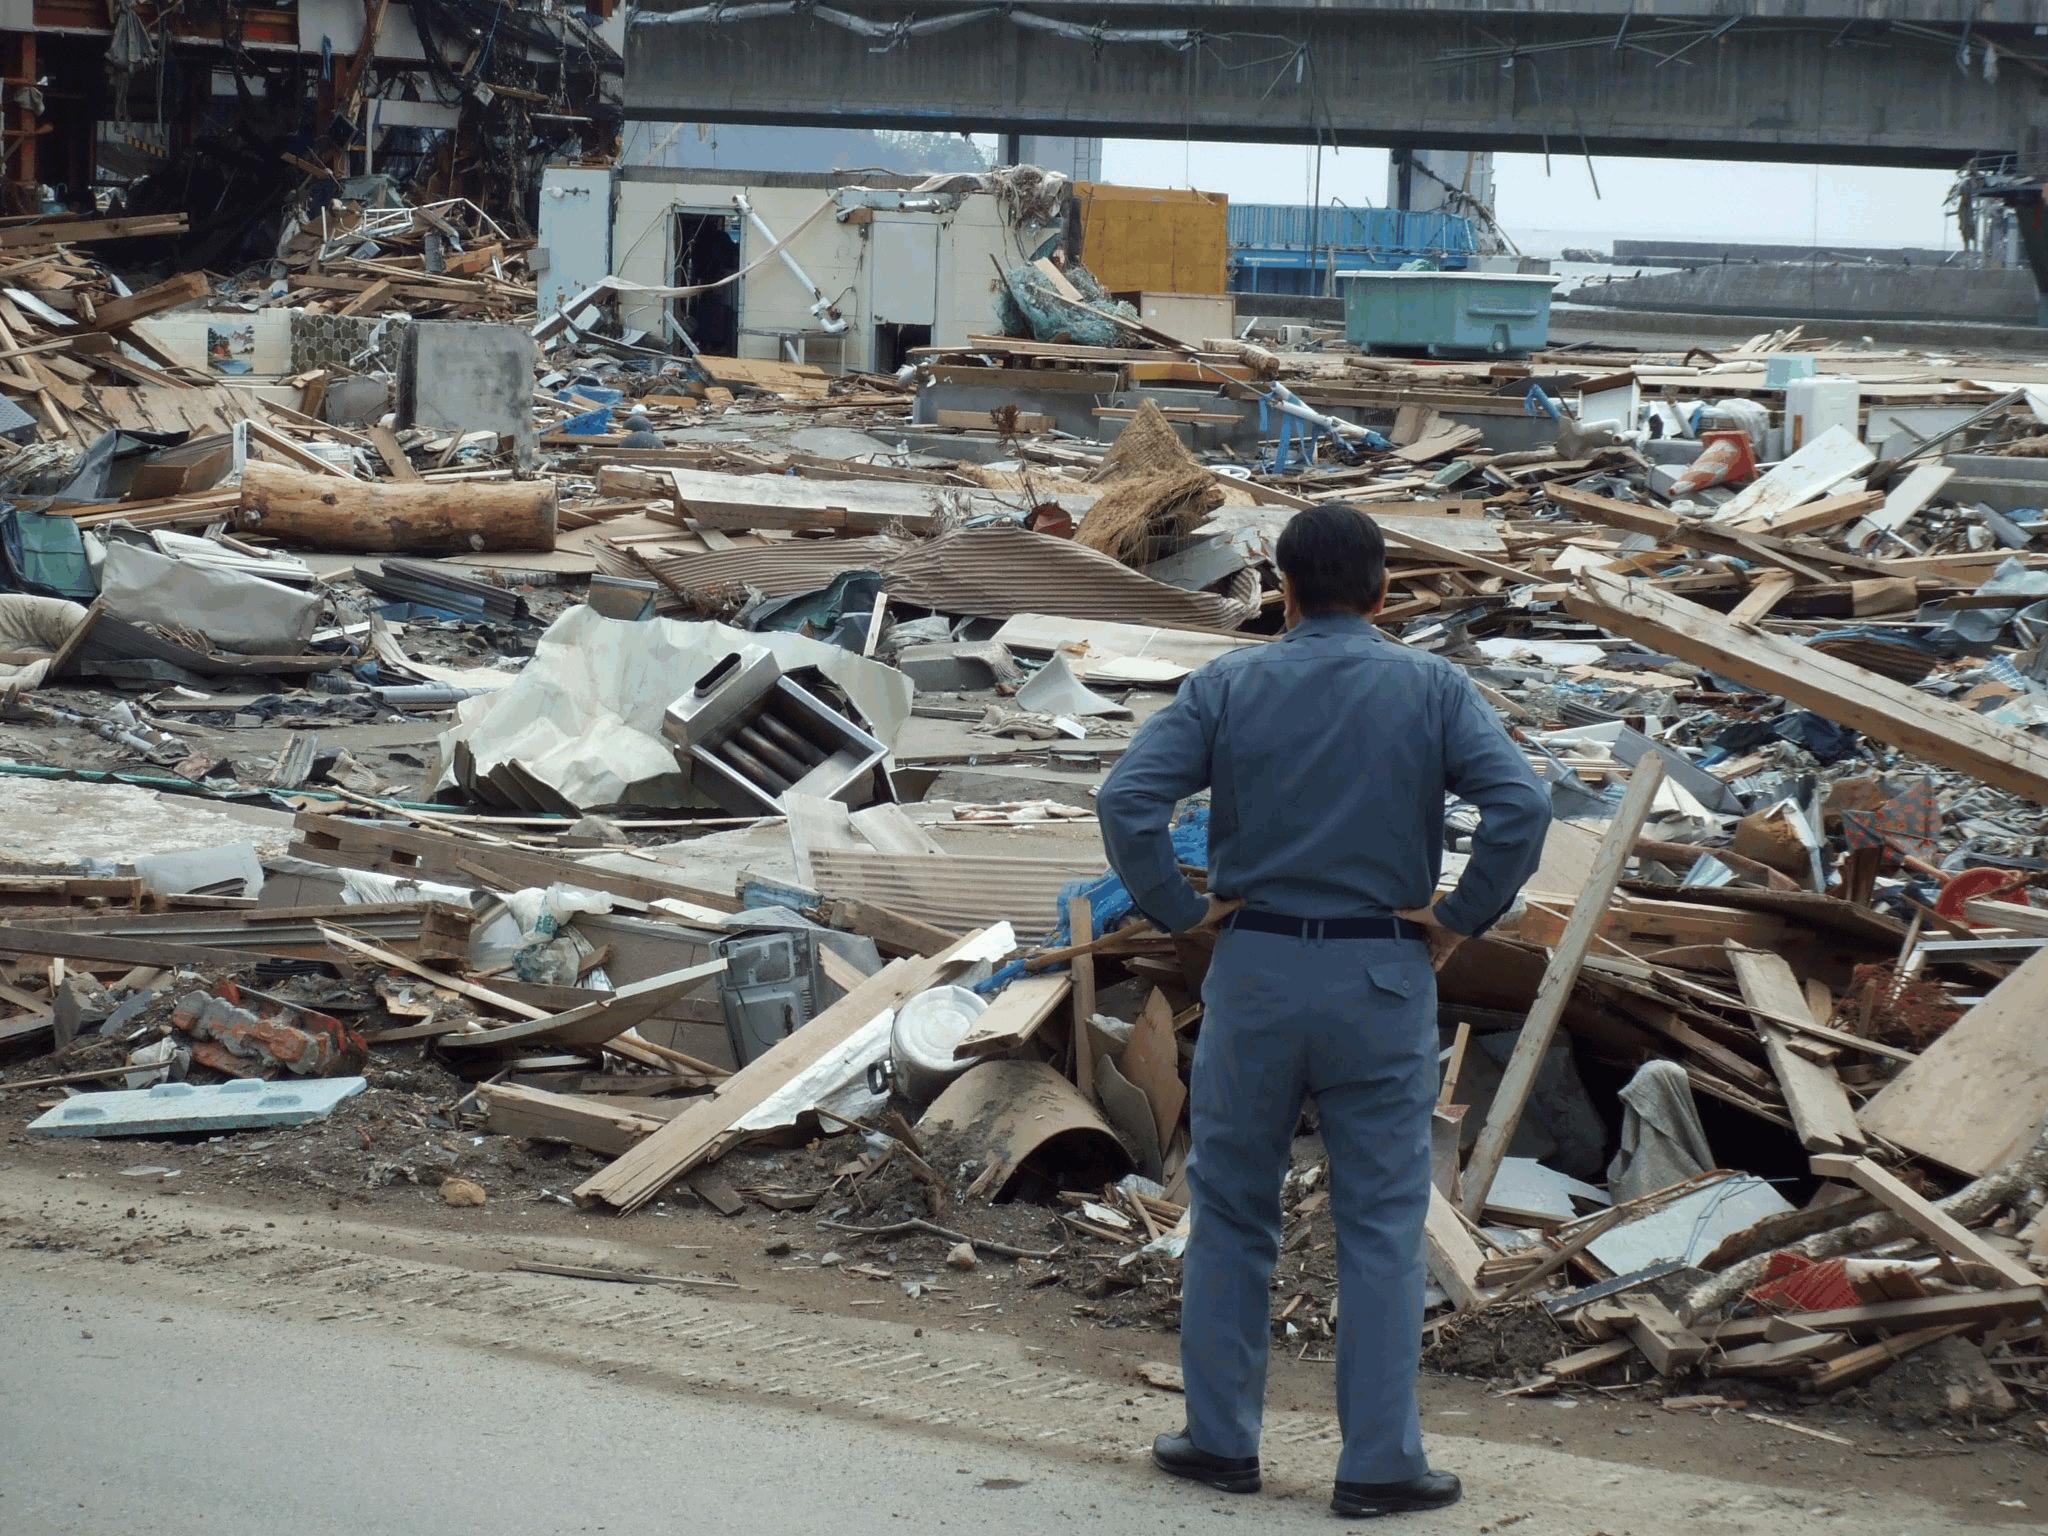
x=994, y=572
x=1005, y=569
x=774, y=570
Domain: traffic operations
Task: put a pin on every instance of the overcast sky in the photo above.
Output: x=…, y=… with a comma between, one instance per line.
x=1677, y=199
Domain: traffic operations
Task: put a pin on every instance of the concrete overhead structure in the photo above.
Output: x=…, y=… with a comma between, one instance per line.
x=1878, y=82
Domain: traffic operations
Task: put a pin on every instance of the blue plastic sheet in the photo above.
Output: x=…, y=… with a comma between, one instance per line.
x=1108, y=902
x=589, y=424
x=1028, y=305
x=44, y=556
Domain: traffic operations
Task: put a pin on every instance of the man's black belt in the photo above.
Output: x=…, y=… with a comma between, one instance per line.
x=1326, y=927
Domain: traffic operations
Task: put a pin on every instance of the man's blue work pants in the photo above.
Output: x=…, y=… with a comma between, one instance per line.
x=1352, y=1021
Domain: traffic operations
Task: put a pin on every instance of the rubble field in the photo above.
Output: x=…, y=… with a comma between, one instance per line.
x=515, y=781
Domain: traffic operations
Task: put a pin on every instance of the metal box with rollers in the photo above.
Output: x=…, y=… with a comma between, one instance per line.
x=748, y=736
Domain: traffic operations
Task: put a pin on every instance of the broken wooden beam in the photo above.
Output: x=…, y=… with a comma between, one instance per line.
x=1916, y=723
x=1819, y=1105
x=1532, y=1043
x=701, y=1131
x=1014, y=1016
x=576, y=1119
x=388, y=848
x=1454, y=1254
x=1940, y=1229
x=1666, y=1343
x=45, y=233
x=784, y=501
x=185, y=288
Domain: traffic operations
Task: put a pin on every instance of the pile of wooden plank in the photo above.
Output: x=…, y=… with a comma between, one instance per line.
x=73, y=348
x=446, y=260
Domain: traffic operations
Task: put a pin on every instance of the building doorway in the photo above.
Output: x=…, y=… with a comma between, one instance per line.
x=707, y=247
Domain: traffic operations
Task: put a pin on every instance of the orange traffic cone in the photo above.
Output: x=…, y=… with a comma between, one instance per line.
x=1726, y=457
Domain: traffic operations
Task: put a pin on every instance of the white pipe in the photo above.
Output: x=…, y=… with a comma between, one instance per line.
x=827, y=316
x=1283, y=399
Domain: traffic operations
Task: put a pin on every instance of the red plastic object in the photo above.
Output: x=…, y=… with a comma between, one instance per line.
x=1050, y=518
x=1975, y=885
x=1794, y=1283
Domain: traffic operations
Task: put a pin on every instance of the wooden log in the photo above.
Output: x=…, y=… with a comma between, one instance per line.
x=398, y=517
x=1940, y=1228
x=1972, y=1203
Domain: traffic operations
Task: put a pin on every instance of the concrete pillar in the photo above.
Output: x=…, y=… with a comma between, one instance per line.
x=1075, y=158
x=1419, y=180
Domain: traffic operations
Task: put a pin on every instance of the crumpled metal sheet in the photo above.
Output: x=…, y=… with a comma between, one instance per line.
x=1005, y=569
x=236, y=610
x=773, y=570
x=580, y=728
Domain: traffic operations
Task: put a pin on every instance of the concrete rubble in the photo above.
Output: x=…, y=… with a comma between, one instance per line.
x=716, y=817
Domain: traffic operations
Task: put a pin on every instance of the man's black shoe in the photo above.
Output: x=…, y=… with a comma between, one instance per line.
x=1183, y=1458
x=1362, y=1501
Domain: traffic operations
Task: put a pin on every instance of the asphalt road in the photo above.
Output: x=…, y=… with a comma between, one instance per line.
x=123, y=1418
x=220, y=1379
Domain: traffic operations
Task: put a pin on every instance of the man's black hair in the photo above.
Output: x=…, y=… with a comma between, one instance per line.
x=1334, y=556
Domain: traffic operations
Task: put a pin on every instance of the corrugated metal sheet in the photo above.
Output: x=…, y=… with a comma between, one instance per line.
x=956, y=891
x=995, y=572
x=1004, y=570
x=775, y=570
x=1281, y=226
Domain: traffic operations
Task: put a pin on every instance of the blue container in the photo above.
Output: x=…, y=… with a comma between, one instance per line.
x=1447, y=314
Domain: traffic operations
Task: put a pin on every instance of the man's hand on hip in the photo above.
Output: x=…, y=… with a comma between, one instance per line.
x=1212, y=920
x=1443, y=942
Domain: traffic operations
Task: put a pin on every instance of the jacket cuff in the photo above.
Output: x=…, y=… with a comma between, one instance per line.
x=1176, y=911
x=1457, y=916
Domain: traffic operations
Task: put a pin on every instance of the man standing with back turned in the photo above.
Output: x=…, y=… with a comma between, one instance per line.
x=1327, y=753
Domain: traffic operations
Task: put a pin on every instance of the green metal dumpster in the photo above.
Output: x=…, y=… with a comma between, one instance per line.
x=1447, y=314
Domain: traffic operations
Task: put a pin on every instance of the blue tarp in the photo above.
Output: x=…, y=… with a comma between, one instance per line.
x=1108, y=902
x=44, y=556
x=1028, y=306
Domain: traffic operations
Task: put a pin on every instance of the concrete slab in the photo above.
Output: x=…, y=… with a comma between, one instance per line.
x=458, y=375
x=2004, y=484
x=955, y=666
x=169, y=1108
x=51, y=825
x=836, y=442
